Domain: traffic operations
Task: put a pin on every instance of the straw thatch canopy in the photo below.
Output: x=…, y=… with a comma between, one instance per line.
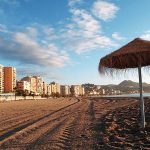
x=135, y=53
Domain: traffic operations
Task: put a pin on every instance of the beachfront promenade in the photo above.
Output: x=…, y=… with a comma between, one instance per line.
x=13, y=98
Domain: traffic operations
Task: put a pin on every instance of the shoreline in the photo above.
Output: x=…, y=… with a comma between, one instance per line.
x=123, y=95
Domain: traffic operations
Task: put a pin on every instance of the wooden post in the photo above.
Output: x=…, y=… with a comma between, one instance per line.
x=141, y=98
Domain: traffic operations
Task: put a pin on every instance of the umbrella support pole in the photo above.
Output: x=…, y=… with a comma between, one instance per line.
x=141, y=98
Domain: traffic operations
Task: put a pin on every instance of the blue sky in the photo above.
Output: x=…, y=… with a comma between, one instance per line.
x=63, y=40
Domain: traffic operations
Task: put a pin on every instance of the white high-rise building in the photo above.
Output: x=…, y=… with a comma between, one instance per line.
x=33, y=83
x=23, y=86
x=55, y=87
x=39, y=84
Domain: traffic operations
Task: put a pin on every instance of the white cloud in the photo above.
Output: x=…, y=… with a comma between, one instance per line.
x=117, y=36
x=43, y=72
x=71, y=3
x=145, y=36
x=25, y=49
x=49, y=33
x=85, y=21
x=84, y=33
x=84, y=45
x=104, y=10
x=44, y=45
x=40, y=55
x=104, y=41
x=4, y=29
x=48, y=30
x=32, y=31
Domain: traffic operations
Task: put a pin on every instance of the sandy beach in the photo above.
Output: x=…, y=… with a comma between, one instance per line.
x=71, y=123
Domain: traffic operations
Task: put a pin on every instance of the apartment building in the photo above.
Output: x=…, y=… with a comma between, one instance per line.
x=55, y=87
x=44, y=89
x=82, y=90
x=1, y=79
x=65, y=90
x=77, y=90
x=39, y=84
x=9, y=79
x=33, y=83
x=23, y=86
x=49, y=90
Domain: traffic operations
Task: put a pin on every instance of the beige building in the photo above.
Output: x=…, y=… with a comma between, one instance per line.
x=103, y=92
x=1, y=79
x=65, y=90
x=9, y=79
x=33, y=83
x=49, y=90
x=77, y=90
x=55, y=87
x=39, y=84
x=44, y=88
x=82, y=90
x=23, y=86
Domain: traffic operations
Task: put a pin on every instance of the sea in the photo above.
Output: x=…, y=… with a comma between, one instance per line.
x=126, y=95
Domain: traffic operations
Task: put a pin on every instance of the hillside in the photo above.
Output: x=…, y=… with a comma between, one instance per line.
x=127, y=86
x=131, y=84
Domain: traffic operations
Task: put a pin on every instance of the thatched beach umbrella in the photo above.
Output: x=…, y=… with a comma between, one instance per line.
x=135, y=54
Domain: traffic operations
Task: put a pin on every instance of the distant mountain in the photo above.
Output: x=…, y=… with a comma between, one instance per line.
x=127, y=86
x=131, y=84
x=128, y=83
